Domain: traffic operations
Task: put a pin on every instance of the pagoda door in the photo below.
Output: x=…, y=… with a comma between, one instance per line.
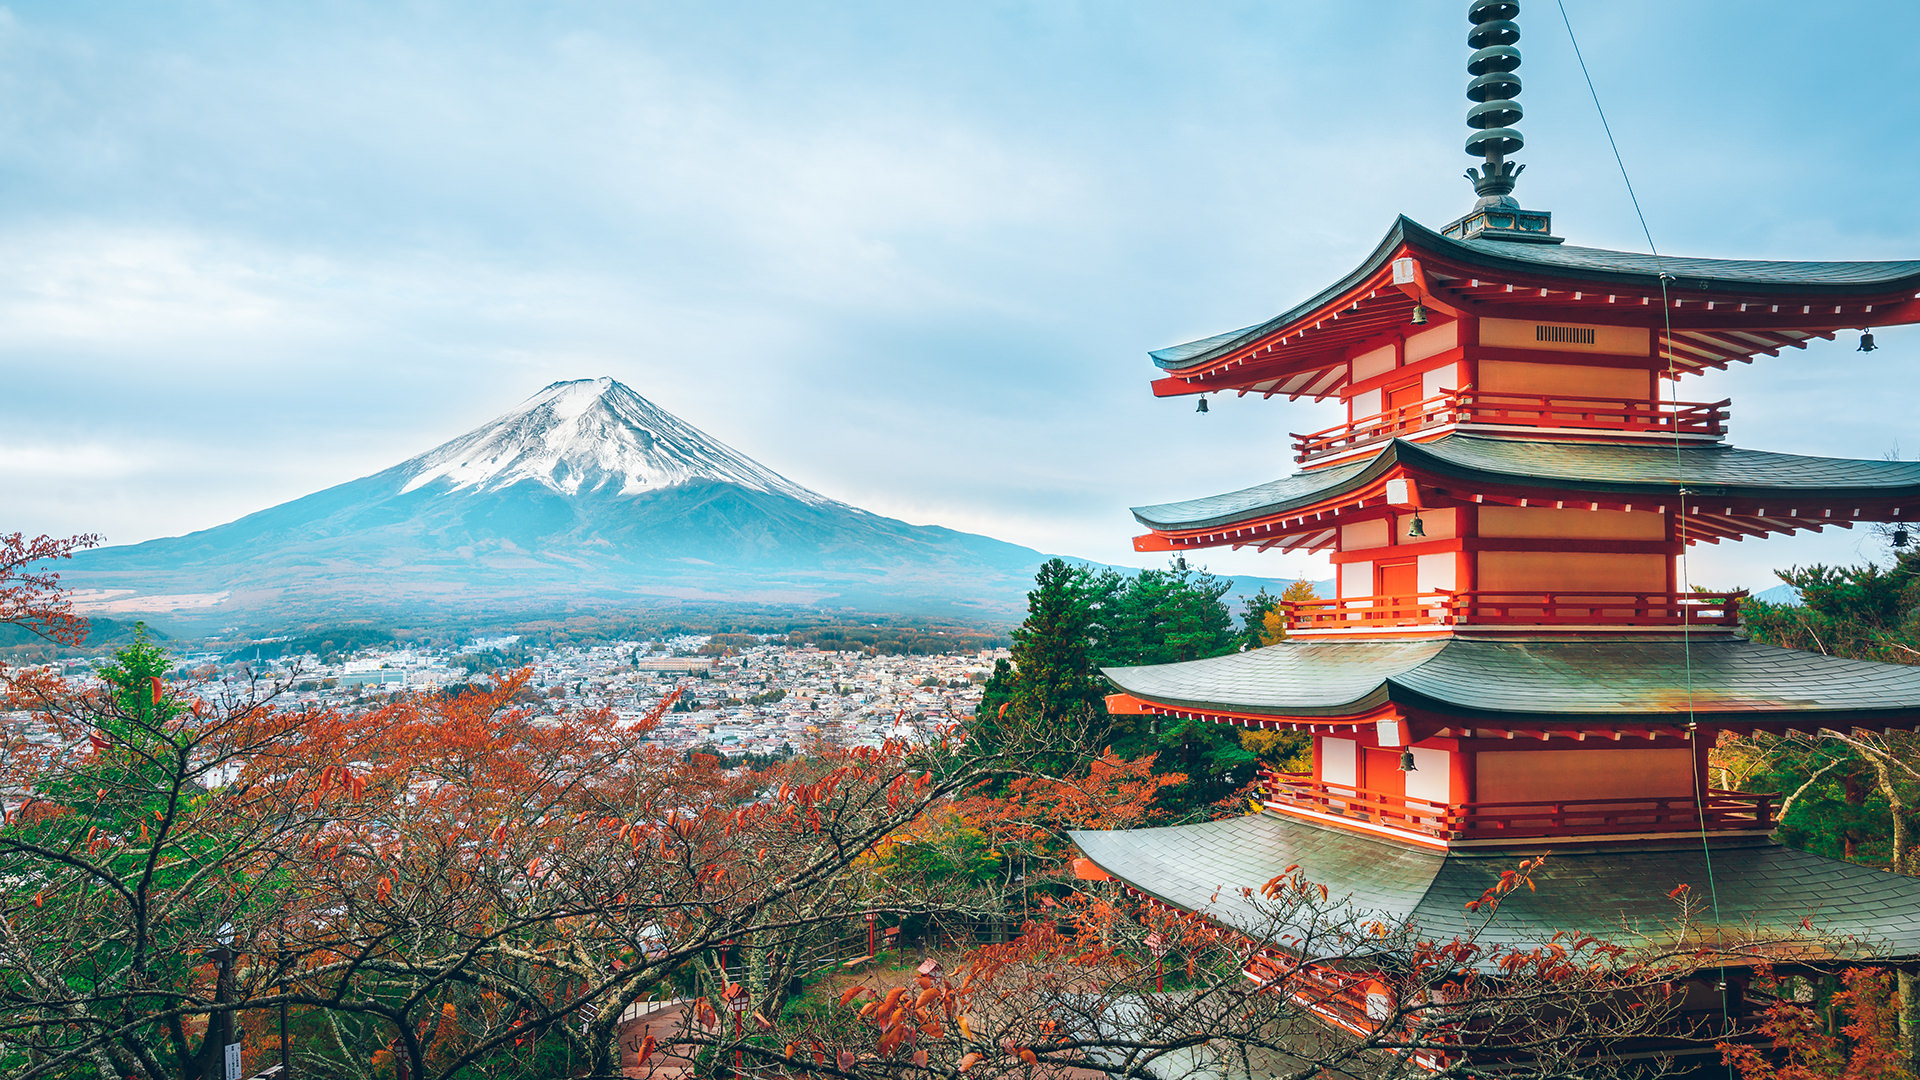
x=1400, y=402
x=1396, y=583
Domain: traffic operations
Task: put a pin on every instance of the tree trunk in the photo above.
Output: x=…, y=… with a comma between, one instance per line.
x=1909, y=984
x=1906, y=980
x=1897, y=810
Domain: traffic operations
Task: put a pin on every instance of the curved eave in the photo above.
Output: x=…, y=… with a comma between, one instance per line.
x=1216, y=868
x=1703, y=278
x=1344, y=713
x=1304, y=338
x=1855, y=477
x=1737, y=715
x=1556, y=681
x=1390, y=700
x=1197, y=353
x=1252, y=504
x=1303, y=678
x=1462, y=466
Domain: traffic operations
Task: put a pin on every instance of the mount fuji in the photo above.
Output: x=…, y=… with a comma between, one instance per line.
x=586, y=496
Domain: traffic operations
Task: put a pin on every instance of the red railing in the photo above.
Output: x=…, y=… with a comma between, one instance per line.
x=1356, y=612
x=1441, y=608
x=1432, y=412
x=1623, y=415
x=1721, y=811
x=1716, y=610
x=1597, y=414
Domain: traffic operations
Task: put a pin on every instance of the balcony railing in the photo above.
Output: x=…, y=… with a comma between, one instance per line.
x=1614, y=415
x=1721, y=811
x=1442, y=609
x=1361, y=612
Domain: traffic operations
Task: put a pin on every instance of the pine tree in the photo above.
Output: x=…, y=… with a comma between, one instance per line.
x=1052, y=650
x=1253, y=621
x=1080, y=620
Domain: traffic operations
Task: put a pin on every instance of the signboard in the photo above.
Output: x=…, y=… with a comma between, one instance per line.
x=233, y=1061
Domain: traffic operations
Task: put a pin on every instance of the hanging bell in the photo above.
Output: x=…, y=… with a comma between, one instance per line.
x=1900, y=537
x=1416, y=529
x=1866, y=341
x=1406, y=760
x=1202, y=407
x=1419, y=314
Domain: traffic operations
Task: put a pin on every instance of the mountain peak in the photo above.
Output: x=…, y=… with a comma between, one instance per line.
x=594, y=435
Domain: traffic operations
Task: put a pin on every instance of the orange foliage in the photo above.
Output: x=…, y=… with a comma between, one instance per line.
x=1867, y=1047
x=1116, y=793
x=31, y=598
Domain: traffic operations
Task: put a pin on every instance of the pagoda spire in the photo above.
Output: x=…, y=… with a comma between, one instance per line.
x=1494, y=90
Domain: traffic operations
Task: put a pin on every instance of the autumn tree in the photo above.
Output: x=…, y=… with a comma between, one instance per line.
x=134, y=850
x=482, y=883
x=1253, y=618
x=1850, y=793
x=437, y=884
x=1301, y=984
x=1825, y=1028
x=30, y=594
x=1264, y=621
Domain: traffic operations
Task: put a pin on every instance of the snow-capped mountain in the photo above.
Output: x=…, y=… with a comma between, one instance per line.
x=590, y=434
x=587, y=494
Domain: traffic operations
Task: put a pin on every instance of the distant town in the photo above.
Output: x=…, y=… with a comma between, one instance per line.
x=768, y=699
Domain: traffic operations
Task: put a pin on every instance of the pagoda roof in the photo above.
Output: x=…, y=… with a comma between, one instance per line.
x=1709, y=472
x=1721, y=310
x=1716, y=680
x=1761, y=888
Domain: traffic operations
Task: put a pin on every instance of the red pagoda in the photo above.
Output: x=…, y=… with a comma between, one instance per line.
x=1512, y=662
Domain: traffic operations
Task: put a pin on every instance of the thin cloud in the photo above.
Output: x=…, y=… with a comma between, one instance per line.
x=911, y=257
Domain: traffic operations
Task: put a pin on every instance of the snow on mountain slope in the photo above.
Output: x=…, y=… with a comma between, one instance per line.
x=593, y=435
x=585, y=496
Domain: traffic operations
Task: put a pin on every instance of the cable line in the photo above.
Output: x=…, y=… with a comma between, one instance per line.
x=1686, y=579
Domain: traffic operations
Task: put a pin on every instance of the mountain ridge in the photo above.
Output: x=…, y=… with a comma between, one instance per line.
x=585, y=493
x=578, y=431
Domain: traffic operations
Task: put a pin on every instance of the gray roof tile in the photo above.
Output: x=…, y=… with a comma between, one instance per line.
x=1595, y=468
x=1546, y=678
x=1693, y=277
x=1760, y=886
x=1728, y=271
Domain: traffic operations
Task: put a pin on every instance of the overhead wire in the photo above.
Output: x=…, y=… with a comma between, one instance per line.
x=1686, y=581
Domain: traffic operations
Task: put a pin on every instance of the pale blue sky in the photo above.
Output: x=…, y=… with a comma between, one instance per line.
x=911, y=255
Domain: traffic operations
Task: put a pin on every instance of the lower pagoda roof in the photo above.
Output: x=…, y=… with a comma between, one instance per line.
x=1761, y=889
x=1714, y=679
x=1651, y=472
